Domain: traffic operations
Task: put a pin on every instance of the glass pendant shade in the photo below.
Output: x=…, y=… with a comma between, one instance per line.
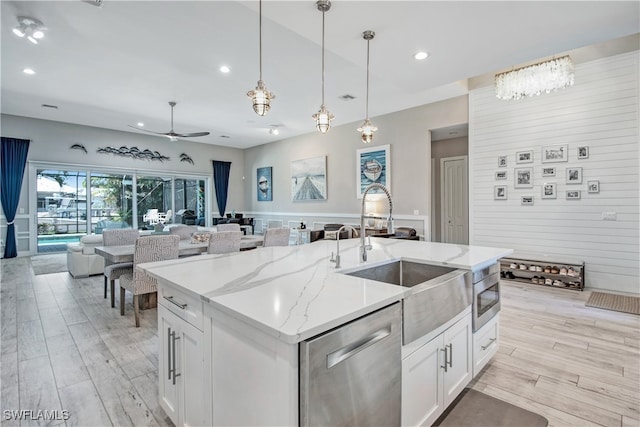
x=261, y=99
x=323, y=119
x=545, y=77
x=367, y=129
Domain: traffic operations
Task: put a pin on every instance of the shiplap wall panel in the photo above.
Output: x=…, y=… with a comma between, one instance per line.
x=600, y=111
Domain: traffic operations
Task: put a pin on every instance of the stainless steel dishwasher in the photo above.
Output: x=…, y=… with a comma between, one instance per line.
x=351, y=375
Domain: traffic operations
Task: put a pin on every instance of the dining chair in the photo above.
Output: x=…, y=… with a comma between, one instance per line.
x=113, y=271
x=224, y=242
x=147, y=249
x=228, y=227
x=184, y=231
x=276, y=237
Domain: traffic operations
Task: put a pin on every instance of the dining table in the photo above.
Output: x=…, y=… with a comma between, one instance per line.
x=124, y=253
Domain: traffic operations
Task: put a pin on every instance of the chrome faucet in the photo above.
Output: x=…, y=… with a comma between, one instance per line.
x=363, y=247
x=336, y=259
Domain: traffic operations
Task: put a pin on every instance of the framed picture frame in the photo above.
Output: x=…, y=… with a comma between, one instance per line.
x=264, y=186
x=555, y=153
x=500, y=192
x=549, y=190
x=593, y=186
x=523, y=177
x=548, y=171
x=502, y=161
x=583, y=152
x=309, y=179
x=574, y=175
x=500, y=175
x=373, y=164
x=524, y=156
x=573, y=194
x=526, y=200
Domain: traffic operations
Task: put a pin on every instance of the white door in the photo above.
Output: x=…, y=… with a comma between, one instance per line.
x=454, y=198
x=195, y=404
x=168, y=323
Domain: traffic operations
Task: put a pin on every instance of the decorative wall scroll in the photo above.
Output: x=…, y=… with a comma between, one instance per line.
x=78, y=147
x=184, y=157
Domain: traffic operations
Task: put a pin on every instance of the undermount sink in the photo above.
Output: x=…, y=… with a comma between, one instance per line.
x=437, y=293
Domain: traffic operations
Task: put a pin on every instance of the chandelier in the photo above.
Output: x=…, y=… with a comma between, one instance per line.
x=323, y=117
x=31, y=28
x=260, y=96
x=535, y=79
x=367, y=128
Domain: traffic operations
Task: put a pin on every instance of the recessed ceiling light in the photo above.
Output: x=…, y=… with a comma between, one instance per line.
x=225, y=69
x=28, y=71
x=421, y=55
x=140, y=124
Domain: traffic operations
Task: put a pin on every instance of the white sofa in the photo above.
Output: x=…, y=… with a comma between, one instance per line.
x=82, y=261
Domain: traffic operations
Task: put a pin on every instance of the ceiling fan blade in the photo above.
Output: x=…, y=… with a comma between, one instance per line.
x=146, y=130
x=192, y=135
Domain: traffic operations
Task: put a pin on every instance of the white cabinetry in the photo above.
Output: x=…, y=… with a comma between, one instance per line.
x=434, y=374
x=485, y=344
x=184, y=378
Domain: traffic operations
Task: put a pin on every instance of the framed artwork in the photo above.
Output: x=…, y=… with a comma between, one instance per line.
x=263, y=182
x=583, y=152
x=549, y=190
x=524, y=156
x=573, y=194
x=574, y=175
x=373, y=165
x=524, y=177
x=502, y=161
x=548, y=171
x=555, y=153
x=500, y=192
x=526, y=200
x=593, y=186
x=501, y=175
x=309, y=179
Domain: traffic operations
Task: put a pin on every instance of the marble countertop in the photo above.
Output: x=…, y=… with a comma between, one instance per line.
x=294, y=292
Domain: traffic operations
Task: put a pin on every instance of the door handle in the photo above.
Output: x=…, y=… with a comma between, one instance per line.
x=352, y=349
x=169, y=352
x=172, y=365
x=446, y=351
x=450, y=346
x=174, y=302
x=491, y=341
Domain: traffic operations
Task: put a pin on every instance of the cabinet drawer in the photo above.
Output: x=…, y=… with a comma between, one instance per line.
x=485, y=344
x=183, y=305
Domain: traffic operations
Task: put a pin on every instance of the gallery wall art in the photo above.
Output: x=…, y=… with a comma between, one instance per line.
x=309, y=179
x=373, y=165
x=264, y=184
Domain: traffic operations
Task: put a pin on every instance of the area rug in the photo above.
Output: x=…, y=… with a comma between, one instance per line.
x=475, y=409
x=623, y=303
x=47, y=264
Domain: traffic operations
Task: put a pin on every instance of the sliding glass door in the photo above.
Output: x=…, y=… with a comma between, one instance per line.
x=111, y=201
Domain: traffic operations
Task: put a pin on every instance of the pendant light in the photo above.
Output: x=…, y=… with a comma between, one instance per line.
x=323, y=117
x=367, y=128
x=260, y=96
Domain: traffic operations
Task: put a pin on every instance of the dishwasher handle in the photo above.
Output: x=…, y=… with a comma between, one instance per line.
x=352, y=349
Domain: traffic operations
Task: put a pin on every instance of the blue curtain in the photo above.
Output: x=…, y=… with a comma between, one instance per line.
x=12, y=162
x=221, y=182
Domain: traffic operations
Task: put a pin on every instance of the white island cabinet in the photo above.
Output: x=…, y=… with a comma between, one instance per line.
x=235, y=323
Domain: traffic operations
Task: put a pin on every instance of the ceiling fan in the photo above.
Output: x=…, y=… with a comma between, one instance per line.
x=173, y=136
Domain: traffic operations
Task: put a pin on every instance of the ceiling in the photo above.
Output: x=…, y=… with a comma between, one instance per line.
x=121, y=63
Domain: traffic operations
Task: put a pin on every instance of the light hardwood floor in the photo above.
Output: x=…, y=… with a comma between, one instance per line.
x=64, y=348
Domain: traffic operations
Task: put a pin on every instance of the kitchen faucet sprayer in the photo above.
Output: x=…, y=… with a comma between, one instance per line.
x=336, y=260
x=363, y=247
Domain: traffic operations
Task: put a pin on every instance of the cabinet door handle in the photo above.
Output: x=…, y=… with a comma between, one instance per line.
x=174, y=302
x=491, y=341
x=175, y=375
x=169, y=352
x=446, y=351
x=450, y=355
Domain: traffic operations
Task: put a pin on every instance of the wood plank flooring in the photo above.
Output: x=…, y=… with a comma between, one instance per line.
x=64, y=348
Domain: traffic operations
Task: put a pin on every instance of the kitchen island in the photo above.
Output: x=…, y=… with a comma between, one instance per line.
x=230, y=325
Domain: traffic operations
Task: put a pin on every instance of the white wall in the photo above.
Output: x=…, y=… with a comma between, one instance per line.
x=50, y=142
x=408, y=134
x=600, y=111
